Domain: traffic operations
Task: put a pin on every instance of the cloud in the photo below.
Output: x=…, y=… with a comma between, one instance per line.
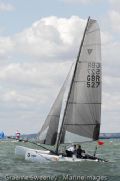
x=115, y=4
x=6, y=7
x=106, y=37
x=114, y=14
x=6, y=46
x=51, y=37
x=33, y=74
x=115, y=20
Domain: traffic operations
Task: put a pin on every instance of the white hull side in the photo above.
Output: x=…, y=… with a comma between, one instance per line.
x=20, y=151
x=33, y=156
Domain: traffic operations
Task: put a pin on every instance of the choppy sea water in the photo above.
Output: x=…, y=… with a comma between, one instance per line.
x=18, y=169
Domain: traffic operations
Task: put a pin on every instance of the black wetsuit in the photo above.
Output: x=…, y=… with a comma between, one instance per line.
x=69, y=153
x=79, y=153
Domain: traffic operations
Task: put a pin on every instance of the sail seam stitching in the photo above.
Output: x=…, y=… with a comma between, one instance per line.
x=92, y=44
x=80, y=124
x=84, y=103
x=89, y=62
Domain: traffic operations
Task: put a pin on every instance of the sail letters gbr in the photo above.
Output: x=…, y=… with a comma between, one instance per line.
x=93, y=77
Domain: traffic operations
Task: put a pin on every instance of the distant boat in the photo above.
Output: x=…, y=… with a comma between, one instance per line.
x=2, y=135
x=82, y=113
x=17, y=135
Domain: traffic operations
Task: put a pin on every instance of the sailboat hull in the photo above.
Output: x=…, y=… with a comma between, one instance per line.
x=34, y=156
x=20, y=151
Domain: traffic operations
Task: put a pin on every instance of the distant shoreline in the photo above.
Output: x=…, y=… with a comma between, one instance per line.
x=33, y=136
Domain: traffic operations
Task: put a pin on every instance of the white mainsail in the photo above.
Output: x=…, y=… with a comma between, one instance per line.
x=82, y=116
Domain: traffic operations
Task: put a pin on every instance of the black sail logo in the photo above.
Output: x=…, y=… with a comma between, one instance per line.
x=89, y=51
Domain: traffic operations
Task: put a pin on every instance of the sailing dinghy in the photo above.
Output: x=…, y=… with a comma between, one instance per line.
x=82, y=113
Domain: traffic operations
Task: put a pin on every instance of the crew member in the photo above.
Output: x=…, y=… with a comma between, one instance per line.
x=71, y=151
x=80, y=152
